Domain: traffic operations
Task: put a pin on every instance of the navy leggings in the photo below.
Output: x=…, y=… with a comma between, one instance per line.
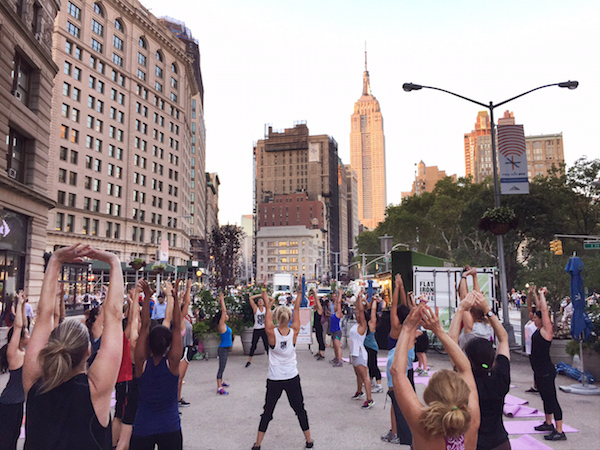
x=164, y=441
x=294, y=393
x=223, y=353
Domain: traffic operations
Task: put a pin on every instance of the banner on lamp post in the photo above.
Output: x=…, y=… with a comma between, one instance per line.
x=512, y=158
x=164, y=251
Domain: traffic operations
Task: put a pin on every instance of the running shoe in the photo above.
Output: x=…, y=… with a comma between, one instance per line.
x=310, y=444
x=183, y=403
x=545, y=427
x=368, y=404
x=423, y=373
x=390, y=437
x=333, y=361
x=320, y=357
x=556, y=436
x=338, y=364
x=418, y=370
x=248, y=364
x=532, y=390
x=358, y=395
x=377, y=389
x=222, y=392
x=223, y=384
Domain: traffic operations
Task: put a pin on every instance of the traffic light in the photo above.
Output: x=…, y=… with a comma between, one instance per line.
x=558, y=249
x=553, y=246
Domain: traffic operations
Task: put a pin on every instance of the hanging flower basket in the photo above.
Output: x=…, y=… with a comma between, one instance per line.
x=160, y=267
x=137, y=263
x=498, y=220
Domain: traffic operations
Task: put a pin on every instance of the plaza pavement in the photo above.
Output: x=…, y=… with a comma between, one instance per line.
x=336, y=422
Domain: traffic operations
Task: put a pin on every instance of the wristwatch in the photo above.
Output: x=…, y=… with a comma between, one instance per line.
x=490, y=313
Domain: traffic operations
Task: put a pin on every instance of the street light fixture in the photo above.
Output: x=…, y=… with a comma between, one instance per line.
x=408, y=87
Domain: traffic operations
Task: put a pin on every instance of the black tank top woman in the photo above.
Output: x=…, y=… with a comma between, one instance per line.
x=540, y=355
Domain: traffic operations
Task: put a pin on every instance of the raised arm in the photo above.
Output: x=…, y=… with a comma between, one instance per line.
x=142, y=351
x=482, y=303
x=269, y=326
x=531, y=294
x=187, y=300
x=15, y=356
x=318, y=305
x=102, y=375
x=45, y=314
x=462, y=312
x=394, y=319
x=221, y=328
x=253, y=304
x=169, y=301
x=472, y=272
x=176, y=350
x=133, y=322
x=338, y=304
x=373, y=318
x=360, y=314
x=296, y=318
x=547, y=331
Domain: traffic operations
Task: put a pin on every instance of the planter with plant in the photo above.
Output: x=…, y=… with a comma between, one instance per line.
x=498, y=220
x=591, y=348
x=159, y=267
x=137, y=263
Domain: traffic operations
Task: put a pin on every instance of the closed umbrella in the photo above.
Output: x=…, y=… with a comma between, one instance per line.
x=304, y=302
x=369, y=290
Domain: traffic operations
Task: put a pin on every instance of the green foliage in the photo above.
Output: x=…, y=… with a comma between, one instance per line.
x=224, y=244
x=501, y=214
x=593, y=342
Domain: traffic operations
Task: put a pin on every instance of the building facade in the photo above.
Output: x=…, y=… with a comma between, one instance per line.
x=292, y=161
x=425, y=179
x=352, y=209
x=367, y=156
x=478, y=148
x=26, y=74
x=544, y=151
x=290, y=249
x=121, y=134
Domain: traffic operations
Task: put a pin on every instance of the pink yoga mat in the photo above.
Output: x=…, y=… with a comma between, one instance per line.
x=527, y=442
x=514, y=400
x=511, y=410
x=527, y=427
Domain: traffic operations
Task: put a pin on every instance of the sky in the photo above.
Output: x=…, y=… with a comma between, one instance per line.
x=276, y=63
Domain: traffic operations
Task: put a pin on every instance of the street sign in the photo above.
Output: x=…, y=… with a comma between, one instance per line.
x=591, y=245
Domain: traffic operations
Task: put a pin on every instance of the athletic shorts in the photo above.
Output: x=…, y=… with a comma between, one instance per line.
x=422, y=343
x=127, y=400
x=188, y=353
x=358, y=361
x=336, y=335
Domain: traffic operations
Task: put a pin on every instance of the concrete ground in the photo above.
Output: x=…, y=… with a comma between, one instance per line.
x=336, y=421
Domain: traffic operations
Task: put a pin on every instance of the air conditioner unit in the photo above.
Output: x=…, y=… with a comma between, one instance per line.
x=18, y=95
x=38, y=37
x=12, y=173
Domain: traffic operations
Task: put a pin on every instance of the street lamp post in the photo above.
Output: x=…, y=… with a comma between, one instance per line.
x=408, y=87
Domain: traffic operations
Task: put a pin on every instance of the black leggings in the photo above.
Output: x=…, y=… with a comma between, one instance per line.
x=223, y=353
x=545, y=384
x=258, y=333
x=165, y=441
x=374, y=371
x=294, y=393
x=403, y=430
x=11, y=417
x=319, y=332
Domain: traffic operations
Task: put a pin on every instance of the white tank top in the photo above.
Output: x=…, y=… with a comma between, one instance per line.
x=357, y=342
x=259, y=318
x=282, y=358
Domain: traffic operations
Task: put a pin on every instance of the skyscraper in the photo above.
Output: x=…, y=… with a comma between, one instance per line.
x=367, y=155
x=478, y=149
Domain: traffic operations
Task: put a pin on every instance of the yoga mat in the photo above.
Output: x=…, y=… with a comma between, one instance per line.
x=514, y=400
x=527, y=427
x=527, y=442
x=422, y=380
x=523, y=411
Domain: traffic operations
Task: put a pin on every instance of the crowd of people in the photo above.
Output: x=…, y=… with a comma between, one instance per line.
x=66, y=371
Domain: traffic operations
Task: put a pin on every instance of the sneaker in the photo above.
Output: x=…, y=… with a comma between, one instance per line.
x=320, y=357
x=223, y=384
x=310, y=444
x=222, y=392
x=377, y=389
x=248, y=364
x=418, y=370
x=556, y=436
x=532, y=390
x=545, y=427
x=333, y=361
x=358, y=395
x=390, y=437
x=256, y=447
x=338, y=364
x=183, y=403
x=368, y=404
x=423, y=373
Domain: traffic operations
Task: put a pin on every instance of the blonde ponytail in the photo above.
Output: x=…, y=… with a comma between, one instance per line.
x=283, y=314
x=66, y=348
x=447, y=411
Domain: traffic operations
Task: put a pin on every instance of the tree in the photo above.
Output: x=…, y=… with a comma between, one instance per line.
x=224, y=244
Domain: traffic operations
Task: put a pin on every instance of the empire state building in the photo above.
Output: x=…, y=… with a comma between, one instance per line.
x=367, y=156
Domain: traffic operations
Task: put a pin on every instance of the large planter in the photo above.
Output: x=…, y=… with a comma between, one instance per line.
x=558, y=351
x=591, y=362
x=499, y=228
x=211, y=345
x=247, y=342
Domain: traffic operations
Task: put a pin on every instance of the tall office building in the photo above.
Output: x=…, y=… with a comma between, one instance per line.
x=544, y=151
x=478, y=149
x=426, y=179
x=367, y=156
x=352, y=198
x=293, y=161
x=121, y=135
x=26, y=74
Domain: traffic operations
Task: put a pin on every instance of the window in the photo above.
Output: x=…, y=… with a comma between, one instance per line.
x=158, y=71
x=74, y=136
x=101, y=87
x=74, y=30
x=174, y=68
x=101, y=67
x=65, y=110
x=117, y=60
x=174, y=97
x=77, y=73
x=97, y=46
x=119, y=26
x=142, y=42
x=93, y=62
x=70, y=223
x=96, y=205
x=63, y=153
x=158, y=86
x=74, y=156
x=91, y=101
x=97, y=185
x=60, y=221
x=98, y=146
x=73, y=178
x=66, y=89
x=98, y=10
x=141, y=59
x=78, y=53
x=141, y=75
x=21, y=75
x=100, y=106
x=174, y=83
x=121, y=99
x=86, y=225
x=76, y=94
x=97, y=28
x=92, y=82
x=60, y=198
x=118, y=43
x=62, y=176
x=75, y=115
x=74, y=11
x=17, y=149
x=159, y=56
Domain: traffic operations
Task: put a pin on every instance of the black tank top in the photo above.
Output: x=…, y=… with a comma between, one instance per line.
x=540, y=354
x=64, y=418
x=13, y=392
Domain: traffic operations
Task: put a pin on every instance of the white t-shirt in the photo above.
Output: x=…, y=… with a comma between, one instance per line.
x=259, y=318
x=357, y=342
x=530, y=328
x=282, y=357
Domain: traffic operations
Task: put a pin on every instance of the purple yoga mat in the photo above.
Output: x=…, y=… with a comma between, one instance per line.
x=527, y=442
x=527, y=427
x=523, y=411
x=514, y=400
